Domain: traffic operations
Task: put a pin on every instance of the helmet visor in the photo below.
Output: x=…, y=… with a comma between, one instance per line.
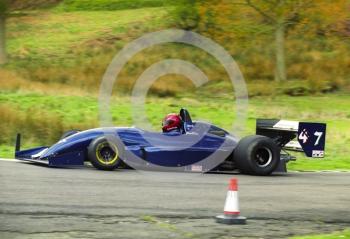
x=168, y=122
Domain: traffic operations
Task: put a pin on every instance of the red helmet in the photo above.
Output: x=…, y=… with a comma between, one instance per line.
x=171, y=122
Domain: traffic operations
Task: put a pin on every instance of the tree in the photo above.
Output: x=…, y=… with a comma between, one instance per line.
x=242, y=26
x=3, y=12
x=279, y=14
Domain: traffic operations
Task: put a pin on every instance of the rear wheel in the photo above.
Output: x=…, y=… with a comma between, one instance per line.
x=257, y=155
x=103, y=154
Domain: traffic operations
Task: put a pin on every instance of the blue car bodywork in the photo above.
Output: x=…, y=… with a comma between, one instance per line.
x=259, y=154
x=72, y=151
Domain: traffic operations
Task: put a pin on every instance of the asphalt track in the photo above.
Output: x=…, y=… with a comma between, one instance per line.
x=40, y=202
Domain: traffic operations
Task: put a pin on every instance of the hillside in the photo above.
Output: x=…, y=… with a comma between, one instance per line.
x=71, y=42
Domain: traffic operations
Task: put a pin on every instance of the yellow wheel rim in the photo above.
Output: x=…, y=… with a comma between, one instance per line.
x=104, y=155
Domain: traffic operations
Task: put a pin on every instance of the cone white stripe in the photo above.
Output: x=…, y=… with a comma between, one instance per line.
x=231, y=204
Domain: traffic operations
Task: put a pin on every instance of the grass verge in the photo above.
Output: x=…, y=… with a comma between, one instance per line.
x=344, y=235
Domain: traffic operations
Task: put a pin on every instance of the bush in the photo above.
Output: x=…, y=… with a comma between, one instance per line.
x=186, y=15
x=35, y=125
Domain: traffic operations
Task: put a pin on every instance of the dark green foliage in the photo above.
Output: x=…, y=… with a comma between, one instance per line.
x=18, y=5
x=186, y=15
x=3, y=6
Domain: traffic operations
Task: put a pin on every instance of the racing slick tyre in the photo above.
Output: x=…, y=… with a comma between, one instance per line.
x=257, y=155
x=69, y=133
x=104, y=154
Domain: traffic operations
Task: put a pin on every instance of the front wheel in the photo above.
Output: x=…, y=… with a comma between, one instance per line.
x=104, y=154
x=257, y=155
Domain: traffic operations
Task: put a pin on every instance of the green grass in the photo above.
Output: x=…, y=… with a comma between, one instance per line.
x=164, y=225
x=7, y=151
x=111, y=5
x=82, y=111
x=46, y=36
x=344, y=235
x=68, y=108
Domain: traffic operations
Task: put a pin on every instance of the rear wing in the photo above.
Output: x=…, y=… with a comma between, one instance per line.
x=311, y=137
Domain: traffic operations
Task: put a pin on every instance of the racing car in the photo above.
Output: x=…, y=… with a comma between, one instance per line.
x=131, y=147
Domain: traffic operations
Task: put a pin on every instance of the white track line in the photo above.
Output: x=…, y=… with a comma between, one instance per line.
x=11, y=160
x=320, y=171
x=291, y=171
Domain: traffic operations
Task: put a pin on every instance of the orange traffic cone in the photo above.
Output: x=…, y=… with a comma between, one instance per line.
x=231, y=209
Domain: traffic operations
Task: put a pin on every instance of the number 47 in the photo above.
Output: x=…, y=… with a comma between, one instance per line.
x=319, y=135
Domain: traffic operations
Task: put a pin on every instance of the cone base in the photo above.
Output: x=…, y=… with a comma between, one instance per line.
x=230, y=220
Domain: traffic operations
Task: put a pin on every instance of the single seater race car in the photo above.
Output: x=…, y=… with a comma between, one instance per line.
x=260, y=154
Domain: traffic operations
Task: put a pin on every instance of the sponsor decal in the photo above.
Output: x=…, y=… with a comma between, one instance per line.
x=196, y=168
x=317, y=153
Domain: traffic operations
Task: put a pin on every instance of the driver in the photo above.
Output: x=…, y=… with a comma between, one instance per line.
x=172, y=124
